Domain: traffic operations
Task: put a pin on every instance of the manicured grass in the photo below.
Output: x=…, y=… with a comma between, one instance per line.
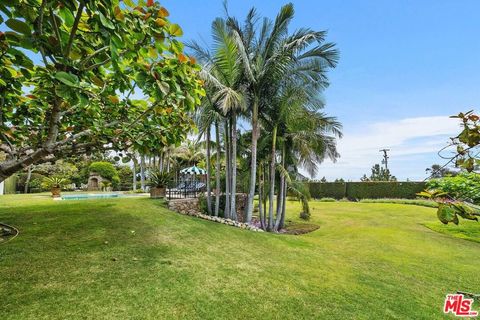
x=467, y=229
x=132, y=258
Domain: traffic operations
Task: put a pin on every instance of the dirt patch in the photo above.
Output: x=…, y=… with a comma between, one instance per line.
x=299, y=228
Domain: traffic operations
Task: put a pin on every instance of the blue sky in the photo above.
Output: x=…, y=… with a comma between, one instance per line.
x=405, y=67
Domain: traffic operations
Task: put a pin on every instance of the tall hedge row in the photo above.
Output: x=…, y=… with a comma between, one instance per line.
x=335, y=190
x=366, y=190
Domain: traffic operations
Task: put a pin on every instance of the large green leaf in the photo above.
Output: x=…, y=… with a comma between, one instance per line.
x=67, y=16
x=67, y=78
x=18, y=26
x=106, y=23
x=446, y=213
x=175, y=30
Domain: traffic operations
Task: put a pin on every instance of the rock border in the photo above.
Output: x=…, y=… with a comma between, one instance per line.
x=229, y=222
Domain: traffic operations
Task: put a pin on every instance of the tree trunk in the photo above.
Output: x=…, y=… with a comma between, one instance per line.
x=209, y=174
x=168, y=161
x=284, y=204
x=27, y=181
x=227, y=172
x=135, y=166
x=265, y=177
x=217, y=169
x=160, y=161
x=272, y=179
x=233, y=159
x=142, y=172
x=253, y=165
x=9, y=167
x=281, y=193
x=260, y=199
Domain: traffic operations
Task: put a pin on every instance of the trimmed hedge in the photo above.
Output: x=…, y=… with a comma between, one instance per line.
x=366, y=190
x=336, y=190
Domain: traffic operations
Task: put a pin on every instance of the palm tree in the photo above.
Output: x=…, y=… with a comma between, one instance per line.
x=294, y=123
x=189, y=153
x=207, y=116
x=267, y=56
x=309, y=138
x=223, y=73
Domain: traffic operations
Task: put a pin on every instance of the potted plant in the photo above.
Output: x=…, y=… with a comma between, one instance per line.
x=55, y=184
x=158, y=184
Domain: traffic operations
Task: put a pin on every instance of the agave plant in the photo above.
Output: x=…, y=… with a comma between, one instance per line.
x=54, y=182
x=159, y=179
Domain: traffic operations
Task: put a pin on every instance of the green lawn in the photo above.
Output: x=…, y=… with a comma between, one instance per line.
x=132, y=258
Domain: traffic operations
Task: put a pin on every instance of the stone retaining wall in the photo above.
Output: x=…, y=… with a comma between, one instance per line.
x=191, y=206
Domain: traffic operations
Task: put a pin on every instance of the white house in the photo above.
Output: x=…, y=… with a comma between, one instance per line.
x=1, y=187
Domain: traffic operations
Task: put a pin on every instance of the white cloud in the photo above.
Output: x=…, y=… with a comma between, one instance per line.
x=414, y=143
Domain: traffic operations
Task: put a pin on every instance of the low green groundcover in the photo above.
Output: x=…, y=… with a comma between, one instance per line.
x=133, y=258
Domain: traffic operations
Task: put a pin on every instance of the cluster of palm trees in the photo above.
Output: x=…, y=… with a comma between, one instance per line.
x=257, y=72
x=169, y=159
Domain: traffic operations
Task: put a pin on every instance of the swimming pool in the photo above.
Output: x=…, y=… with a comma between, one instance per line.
x=90, y=196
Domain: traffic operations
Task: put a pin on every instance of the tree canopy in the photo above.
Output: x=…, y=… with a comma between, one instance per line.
x=77, y=76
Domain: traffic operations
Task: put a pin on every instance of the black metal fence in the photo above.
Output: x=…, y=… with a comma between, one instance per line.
x=185, y=189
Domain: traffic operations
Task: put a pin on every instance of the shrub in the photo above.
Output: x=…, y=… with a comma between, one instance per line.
x=327, y=200
x=126, y=175
x=159, y=179
x=54, y=182
x=305, y=215
x=106, y=170
x=465, y=186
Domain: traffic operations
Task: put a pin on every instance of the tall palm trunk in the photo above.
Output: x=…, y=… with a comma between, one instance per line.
x=265, y=178
x=142, y=172
x=227, y=171
x=168, y=161
x=29, y=177
x=160, y=161
x=284, y=203
x=217, y=169
x=135, y=166
x=272, y=179
x=209, y=174
x=260, y=198
x=253, y=166
x=233, y=159
x=281, y=193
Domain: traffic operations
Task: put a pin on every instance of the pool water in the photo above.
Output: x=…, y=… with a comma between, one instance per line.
x=90, y=196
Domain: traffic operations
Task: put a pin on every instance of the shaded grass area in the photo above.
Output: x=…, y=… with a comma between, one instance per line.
x=132, y=258
x=468, y=230
x=417, y=202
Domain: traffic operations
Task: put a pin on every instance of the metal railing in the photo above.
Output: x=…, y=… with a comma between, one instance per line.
x=185, y=189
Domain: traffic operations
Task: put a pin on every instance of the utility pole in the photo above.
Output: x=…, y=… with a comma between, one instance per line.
x=385, y=157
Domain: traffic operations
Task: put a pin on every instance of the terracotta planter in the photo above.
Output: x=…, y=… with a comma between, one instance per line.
x=156, y=192
x=55, y=192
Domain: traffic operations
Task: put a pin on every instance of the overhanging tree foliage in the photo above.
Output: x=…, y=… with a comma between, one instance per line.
x=453, y=194
x=73, y=92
